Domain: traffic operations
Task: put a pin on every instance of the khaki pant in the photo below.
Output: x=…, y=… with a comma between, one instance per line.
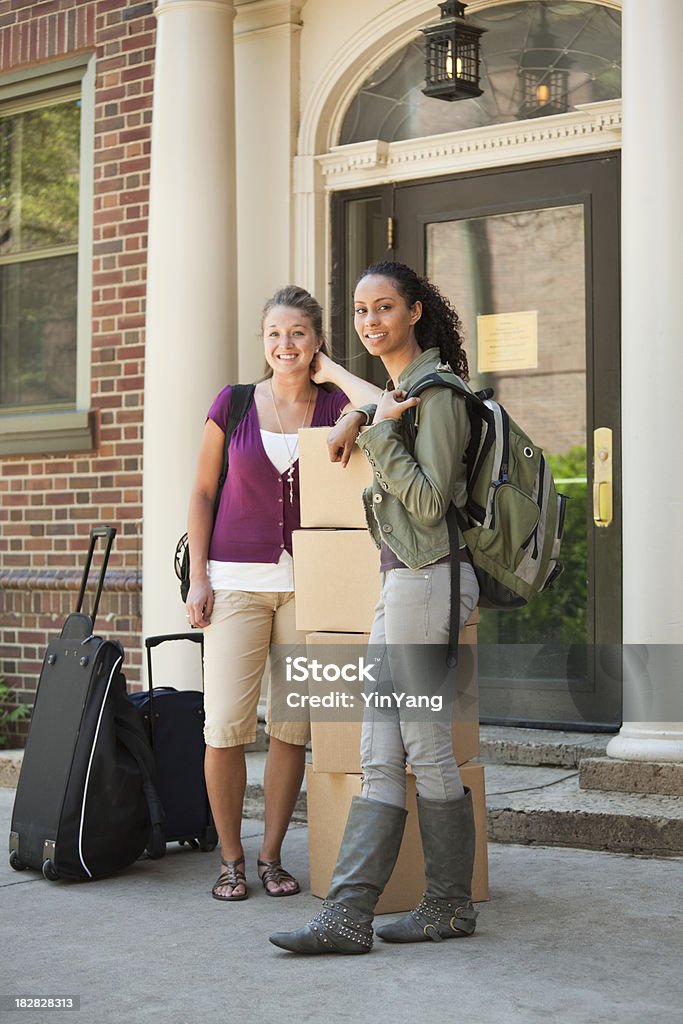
x=236, y=645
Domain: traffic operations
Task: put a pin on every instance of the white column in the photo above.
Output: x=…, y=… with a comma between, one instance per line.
x=267, y=38
x=191, y=348
x=652, y=372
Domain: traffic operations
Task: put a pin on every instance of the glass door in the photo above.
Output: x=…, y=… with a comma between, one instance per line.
x=530, y=259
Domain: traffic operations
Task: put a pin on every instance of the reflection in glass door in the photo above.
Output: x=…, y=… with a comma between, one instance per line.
x=518, y=282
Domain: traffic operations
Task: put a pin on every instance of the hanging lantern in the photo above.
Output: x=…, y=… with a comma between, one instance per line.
x=452, y=55
x=545, y=74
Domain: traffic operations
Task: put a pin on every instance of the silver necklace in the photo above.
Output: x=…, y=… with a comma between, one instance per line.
x=291, y=453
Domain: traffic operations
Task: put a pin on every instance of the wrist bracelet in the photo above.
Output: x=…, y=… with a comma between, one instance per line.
x=363, y=412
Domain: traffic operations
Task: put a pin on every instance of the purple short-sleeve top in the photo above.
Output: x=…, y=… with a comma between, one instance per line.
x=255, y=519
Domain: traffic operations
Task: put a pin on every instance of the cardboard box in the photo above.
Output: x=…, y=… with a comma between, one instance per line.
x=337, y=580
x=336, y=743
x=336, y=577
x=329, y=798
x=330, y=495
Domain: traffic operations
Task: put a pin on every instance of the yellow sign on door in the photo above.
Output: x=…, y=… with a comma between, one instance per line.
x=507, y=341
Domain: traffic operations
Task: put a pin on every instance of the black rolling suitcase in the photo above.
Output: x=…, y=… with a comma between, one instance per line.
x=174, y=721
x=85, y=805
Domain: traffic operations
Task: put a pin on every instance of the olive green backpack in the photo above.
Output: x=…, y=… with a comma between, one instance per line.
x=513, y=519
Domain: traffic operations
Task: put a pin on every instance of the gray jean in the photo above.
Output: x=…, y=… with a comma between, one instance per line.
x=413, y=611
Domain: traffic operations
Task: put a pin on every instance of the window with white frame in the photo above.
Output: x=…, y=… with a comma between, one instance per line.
x=45, y=262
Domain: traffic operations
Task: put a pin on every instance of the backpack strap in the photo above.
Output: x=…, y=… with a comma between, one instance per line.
x=476, y=405
x=454, y=623
x=455, y=383
x=241, y=397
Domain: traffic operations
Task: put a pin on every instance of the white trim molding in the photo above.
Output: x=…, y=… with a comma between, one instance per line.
x=253, y=16
x=478, y=5
x=592, y=127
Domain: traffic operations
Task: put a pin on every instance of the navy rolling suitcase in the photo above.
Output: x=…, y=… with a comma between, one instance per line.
x=174, y=721
x=85, y=805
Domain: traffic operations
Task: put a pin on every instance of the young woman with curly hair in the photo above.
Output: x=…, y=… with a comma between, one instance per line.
x=418, y=475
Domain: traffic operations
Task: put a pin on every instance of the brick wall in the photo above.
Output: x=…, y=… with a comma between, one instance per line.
x=47, y=504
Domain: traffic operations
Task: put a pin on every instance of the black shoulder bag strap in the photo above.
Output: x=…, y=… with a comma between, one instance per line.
x=241, y=397
x=454, y=624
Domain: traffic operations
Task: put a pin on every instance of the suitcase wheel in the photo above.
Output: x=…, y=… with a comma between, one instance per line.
x=156, y=847
x=49, y=871
x=16, y=862
x=192, y=843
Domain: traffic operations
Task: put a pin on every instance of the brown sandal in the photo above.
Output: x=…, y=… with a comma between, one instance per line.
x=231, y=876
x=276, y=874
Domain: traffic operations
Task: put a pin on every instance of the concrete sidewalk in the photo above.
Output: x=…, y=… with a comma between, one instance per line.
x=572, y=935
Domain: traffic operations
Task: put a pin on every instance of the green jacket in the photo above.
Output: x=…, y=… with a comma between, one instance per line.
x=407, y=502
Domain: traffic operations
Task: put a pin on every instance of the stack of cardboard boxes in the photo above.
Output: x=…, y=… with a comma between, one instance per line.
x=336, y=570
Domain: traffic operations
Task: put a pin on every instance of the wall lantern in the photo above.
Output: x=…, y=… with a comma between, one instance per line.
x=452, y=55
x=545, y=73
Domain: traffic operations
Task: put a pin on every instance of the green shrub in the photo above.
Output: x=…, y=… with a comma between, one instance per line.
x=10, y=712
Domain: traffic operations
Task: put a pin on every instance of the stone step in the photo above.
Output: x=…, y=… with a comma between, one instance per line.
x=609, y=774
x=501, y=744
x=547, y=807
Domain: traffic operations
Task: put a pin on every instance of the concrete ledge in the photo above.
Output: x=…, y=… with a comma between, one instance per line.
x=555, y=748
x=612, y=775
x=545, y=806
x=651, y=836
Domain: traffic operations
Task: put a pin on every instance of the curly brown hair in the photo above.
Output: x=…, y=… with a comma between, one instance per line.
x=439, y=326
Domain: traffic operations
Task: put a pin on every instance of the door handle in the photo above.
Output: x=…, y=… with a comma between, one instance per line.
x=602, y=476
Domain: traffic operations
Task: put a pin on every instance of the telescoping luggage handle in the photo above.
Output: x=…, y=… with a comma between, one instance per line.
x=108, y=532
x=154, y=641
